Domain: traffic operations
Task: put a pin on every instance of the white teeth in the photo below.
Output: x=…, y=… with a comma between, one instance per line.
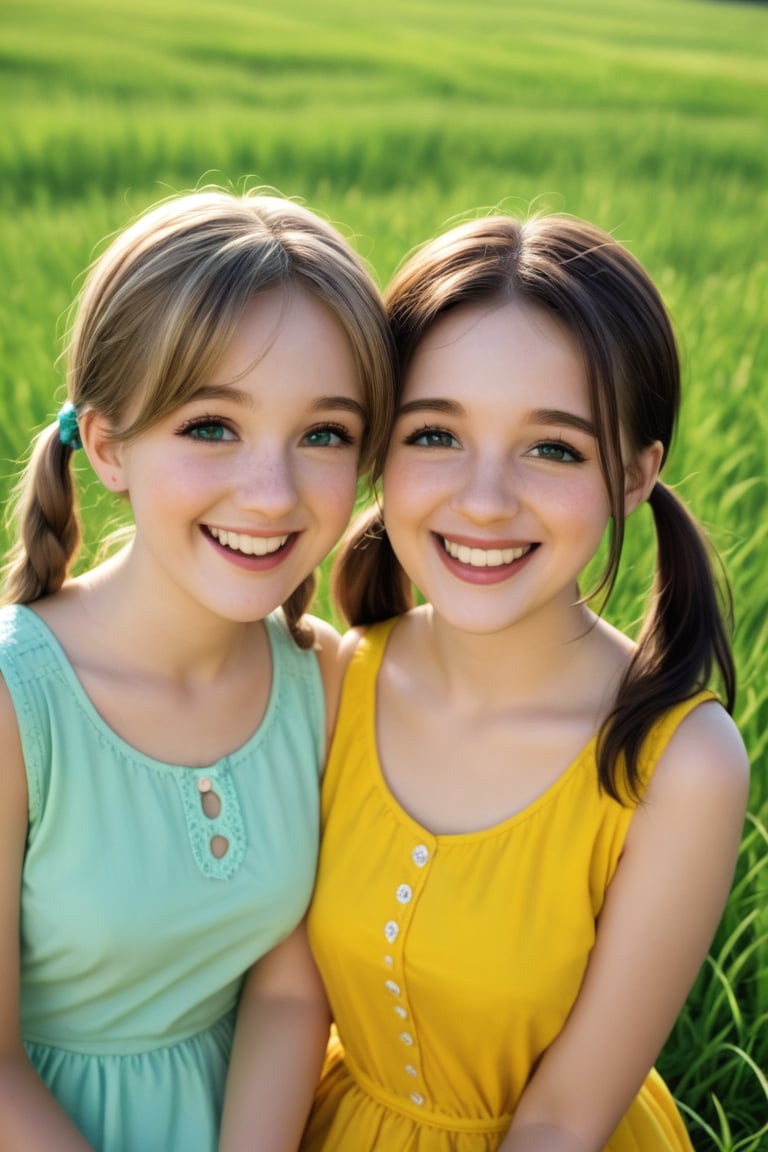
x=248, y=545
x=482, y=558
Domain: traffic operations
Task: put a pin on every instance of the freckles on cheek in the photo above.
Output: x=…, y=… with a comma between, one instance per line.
x=587, y=509
x=197, y=474
x=178, y=487
x=415, y=476
x=341, y=496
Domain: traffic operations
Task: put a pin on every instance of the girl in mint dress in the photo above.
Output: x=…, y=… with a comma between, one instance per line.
x=163, y=715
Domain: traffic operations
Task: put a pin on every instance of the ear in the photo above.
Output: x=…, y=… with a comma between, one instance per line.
x=641, y=475
x=104, y=452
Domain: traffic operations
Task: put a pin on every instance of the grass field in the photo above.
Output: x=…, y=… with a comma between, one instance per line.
x=648, y=117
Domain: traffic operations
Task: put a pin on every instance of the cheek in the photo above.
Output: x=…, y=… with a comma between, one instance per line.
x=410, y=480
x=161, y=477
x=578, y=498
x=333, y=490
x=582, y=518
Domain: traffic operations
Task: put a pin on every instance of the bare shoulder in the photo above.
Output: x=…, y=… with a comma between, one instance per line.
x=325, y=647
x=327, y=638
x=691, y=820
x=707, y=753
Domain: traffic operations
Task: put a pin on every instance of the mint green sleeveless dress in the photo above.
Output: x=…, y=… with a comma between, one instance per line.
x=135, y=933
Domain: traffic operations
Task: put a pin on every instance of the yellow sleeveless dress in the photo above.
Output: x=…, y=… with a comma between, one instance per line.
x=452, y=961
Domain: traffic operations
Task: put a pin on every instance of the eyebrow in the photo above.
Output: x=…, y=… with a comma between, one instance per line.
x=222, y=392
x=448, y=407
x=559, y=416
x=537, y=416
x=345, y=403
x=237, y=396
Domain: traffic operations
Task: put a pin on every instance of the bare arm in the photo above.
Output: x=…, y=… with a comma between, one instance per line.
x=280, y=1040
x=30, y=1118
x=660, y=915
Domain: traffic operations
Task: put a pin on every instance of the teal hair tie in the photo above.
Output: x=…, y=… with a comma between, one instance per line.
x=69, y=431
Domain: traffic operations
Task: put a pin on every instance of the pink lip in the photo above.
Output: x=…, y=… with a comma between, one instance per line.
x=481, y=576
x=254, y=563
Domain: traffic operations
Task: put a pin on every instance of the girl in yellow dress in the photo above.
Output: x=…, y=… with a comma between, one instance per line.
x=530, y=822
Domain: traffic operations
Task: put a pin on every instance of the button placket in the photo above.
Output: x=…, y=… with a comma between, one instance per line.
x=405, y=896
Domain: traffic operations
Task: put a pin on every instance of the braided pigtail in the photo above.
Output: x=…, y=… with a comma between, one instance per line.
x=45, y=520
x=686, y=637
x=368, y=581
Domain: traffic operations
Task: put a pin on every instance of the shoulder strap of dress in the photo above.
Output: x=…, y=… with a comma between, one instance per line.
x=356, y=720
x=664, y=729
x=366, y=661
x=26, y=650
x=298, y=665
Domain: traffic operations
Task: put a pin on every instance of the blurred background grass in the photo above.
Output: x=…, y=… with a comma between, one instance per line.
x=648, y=117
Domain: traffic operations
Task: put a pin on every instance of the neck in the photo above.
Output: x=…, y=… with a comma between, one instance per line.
x=176, y=638
x=526, y=664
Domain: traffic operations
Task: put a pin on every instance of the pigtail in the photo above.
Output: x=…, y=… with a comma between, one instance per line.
x=685, y=637
x=368, y=581
x=47, y=527
x=295, y=607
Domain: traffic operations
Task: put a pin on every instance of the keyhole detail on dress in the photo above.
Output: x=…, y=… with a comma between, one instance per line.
x=211, y=804
x=209, y=800
x=219, y=846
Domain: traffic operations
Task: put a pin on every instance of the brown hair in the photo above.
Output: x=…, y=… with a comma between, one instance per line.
x=156, y=313
x=604, y=297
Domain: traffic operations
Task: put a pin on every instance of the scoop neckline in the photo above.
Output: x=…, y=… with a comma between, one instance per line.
x=130, y=751
x=386, y=629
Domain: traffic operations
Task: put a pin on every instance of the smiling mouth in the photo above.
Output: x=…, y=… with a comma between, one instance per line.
x=484, y=557
x=248, y=545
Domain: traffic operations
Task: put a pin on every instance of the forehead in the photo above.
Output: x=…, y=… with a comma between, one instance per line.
x=290, y=314
x=498, y=351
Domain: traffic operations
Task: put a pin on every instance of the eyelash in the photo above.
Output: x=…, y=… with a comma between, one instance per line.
x=343, y=433
x=429, y=430
x=339, y=430
x=191, y=426
x=561, y=446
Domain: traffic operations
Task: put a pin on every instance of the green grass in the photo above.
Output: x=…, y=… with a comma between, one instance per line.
x=648, y=117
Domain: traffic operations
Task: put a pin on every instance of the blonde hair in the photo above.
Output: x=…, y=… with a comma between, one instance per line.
x=155, y=315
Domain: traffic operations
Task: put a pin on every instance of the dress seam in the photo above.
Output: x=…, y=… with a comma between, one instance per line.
x=92, y=1053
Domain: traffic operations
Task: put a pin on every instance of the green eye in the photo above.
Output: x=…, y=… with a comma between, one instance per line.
x=560, y=453
x=211, y=431
x=327, y=436
x=433, y=438
x=207, y=432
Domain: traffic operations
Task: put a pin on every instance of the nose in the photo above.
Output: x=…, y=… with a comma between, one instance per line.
x=488, y=491
x=266, y=481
